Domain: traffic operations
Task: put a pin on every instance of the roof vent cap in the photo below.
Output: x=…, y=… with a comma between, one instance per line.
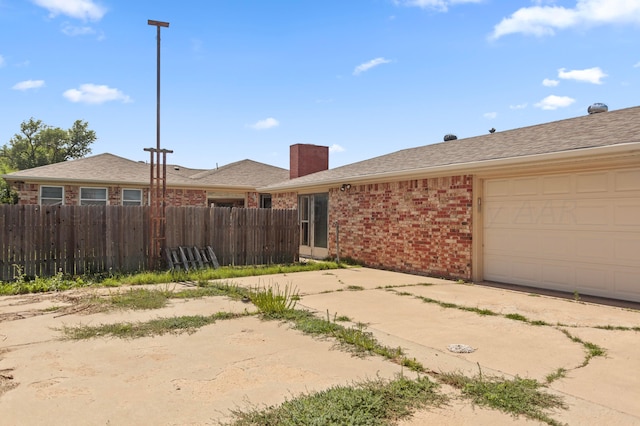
x=450, y=137
x=597, y=107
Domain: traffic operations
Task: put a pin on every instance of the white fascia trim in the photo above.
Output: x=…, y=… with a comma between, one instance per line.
x=474, y=167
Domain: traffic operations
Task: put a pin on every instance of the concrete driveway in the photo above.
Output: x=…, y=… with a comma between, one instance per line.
x=198, y=378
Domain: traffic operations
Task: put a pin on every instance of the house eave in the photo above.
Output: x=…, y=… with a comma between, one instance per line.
x=476, y=167
x=79, y=182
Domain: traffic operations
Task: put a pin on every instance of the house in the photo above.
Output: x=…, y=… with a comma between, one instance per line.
x=109, y=179
x=553, y=206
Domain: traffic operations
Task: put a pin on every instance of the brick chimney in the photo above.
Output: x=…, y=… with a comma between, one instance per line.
x=305, y=159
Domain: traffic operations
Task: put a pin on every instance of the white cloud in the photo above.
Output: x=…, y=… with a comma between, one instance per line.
x=590, y=75
x=336, y=148
x=552, y=102
x=267, y=123
x=87, y=10
x=550, y=83
x=518, y=106
x=95, y=94
x=490, y=115
x=2, y=61
x=439, y=5
x=73, y=31
x=545, y=20
x=637, y=65
x=28, y=84
x=368, y=65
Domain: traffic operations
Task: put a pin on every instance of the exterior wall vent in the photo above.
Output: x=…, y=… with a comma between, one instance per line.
x=597, y=107
x=449, y=137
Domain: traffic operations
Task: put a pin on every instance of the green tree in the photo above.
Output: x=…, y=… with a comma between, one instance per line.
x=7, y=196
x=38, y=144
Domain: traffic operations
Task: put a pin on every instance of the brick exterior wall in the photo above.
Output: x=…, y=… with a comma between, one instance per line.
x=186, y=197
x=29, y=193
x=419, y=226
x=285, y=200
x=305, y=159
x=253, y=200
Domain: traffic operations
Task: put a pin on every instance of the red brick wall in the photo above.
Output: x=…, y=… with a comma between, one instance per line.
x=421, y=226
x=287, y=200
x=305, y=159
x=29, y=193
x=186, y=197
x=253, y=200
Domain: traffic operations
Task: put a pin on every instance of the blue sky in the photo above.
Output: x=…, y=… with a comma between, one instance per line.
x=247, y=78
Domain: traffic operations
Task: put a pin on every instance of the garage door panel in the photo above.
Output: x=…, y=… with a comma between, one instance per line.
x=627, y=180
x=556, y=185
x=524, y=186
x=570, y=232
x=594, y=213
x=589, y=183
x=526, y=271
x=627, y=250
x=590, y=280
x=627, y=283
x=597, y=248
x=557, y=276
x=627, y=213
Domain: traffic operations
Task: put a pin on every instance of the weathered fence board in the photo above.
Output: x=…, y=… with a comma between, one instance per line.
x=43, y=240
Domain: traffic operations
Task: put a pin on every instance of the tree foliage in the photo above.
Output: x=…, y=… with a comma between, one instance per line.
x=7, y=196
x=38, y=144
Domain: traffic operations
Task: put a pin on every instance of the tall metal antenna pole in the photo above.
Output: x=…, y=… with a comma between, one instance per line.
x=157, y=188
x=158, y=25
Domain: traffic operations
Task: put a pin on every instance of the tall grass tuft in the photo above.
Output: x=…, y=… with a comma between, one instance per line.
x=274, y=302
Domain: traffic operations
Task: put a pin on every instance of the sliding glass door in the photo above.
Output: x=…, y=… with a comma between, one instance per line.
x=313, y=212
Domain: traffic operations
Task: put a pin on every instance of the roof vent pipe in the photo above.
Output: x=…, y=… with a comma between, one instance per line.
x=449, y=137
x=597, y=107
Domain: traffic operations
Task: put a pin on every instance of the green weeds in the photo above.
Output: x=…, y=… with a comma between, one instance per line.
x=374, y=402
x=516, y=396
x=155, y=327
x=592, y=350
x=23, y=284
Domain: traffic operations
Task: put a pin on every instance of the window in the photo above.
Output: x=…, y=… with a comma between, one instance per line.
x=131, y=197
x=51, y=195
x=93, y=196
x=265, y=201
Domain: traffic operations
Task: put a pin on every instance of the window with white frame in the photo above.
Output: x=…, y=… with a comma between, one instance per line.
x=93, y=196
x=131, y=197
x=51, y=195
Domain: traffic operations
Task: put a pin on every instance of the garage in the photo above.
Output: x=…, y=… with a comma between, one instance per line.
x=573, y=232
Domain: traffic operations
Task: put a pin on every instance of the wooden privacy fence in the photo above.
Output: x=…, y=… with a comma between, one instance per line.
x=238, y=236
x=44, y=240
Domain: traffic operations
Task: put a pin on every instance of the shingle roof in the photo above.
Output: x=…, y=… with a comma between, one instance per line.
x=596, y=130
x=112, y=169
x=249, y=172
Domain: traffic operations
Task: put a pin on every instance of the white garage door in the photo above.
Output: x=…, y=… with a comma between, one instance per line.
x=570, y=232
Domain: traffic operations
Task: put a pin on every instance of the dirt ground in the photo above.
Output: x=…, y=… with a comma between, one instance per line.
x=199, y=378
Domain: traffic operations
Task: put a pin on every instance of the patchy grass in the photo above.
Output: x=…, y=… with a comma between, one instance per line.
x=342, y=318
x=354, y=339
x=355, y=288
x=616, y=328
x=140, y=298
x=516, y=317
x=374, y=402
x=274, y=302
x=155, y=327
x=24, y=284
x=560, y=373
x=592, y=350
x=513, y=396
